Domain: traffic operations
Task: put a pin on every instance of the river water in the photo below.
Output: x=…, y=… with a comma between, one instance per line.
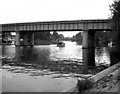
x=46, y=64
x=45, y=53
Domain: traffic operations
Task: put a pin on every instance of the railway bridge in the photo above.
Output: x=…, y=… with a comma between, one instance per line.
x=89, y=27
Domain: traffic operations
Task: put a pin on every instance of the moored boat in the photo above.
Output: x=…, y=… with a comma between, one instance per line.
x=61, y=44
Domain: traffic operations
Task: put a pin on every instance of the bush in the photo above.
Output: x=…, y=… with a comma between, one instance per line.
x=84, y=84
x=118, y=78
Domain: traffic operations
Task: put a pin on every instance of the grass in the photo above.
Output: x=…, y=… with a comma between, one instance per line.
x=84, y=84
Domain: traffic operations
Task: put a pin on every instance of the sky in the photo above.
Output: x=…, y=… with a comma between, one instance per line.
x=13, y=11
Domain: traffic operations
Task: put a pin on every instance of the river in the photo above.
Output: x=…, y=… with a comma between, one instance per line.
x=52, y=68
x=45, y=53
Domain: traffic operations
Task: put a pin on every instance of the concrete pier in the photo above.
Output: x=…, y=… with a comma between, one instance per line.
x=88, y=48
x=17, y=43
x=31, y=39
x=91, y=39
x=28, y=38
x=85, y=39
x=88, y=39
x=88, y=57
x=25, y=40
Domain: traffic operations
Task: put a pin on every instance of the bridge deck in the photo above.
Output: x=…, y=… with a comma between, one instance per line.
x=103, y=24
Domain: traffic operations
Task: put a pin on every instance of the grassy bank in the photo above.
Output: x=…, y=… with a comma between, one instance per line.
x=102, y=82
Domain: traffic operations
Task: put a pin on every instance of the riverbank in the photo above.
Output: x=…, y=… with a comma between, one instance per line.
x=19, y=79
x=107, y=80
x=57, y=76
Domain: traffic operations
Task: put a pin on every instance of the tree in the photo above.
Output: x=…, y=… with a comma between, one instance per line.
x=42, y=36
x=55, y=35
x=102, y=38
x=61, y=36
x=115, y=9
x=78, y=37
x=115, y=53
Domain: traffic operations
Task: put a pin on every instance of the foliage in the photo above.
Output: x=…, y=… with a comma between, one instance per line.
x=102, y=38
x=42, y=38
x=55, y=35
x=78, y=37
x=42, y=35
x=118, y=78
x=115, y=10
x=84, y=84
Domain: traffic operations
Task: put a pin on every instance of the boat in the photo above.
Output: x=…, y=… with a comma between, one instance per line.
x=61, y=44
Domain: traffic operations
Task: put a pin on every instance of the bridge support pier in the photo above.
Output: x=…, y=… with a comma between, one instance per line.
x=85, y=39
x=88, y=48
x=17, y=43
x=88, y=39
x=25, y=39
x=31, y=39
x=28, y=39
x=88, y=57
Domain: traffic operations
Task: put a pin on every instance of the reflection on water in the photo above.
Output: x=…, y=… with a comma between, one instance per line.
x=66, y=59
x=88, y=59
x=70, y=52
x=45, y=53
x=102, y=56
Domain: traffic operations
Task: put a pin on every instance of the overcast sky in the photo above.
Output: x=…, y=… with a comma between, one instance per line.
x=12, y=11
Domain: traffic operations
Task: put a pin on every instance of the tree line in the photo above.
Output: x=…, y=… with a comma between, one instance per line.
x=115, y=16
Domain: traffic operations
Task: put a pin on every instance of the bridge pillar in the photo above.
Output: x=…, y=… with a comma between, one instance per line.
x=17, y=43
x=88, y=39
x=85, y=39
x=25, y=40
x=17, y=54
x=91, y=38
x=31, y=39
x=88, y=48
x=88, y=57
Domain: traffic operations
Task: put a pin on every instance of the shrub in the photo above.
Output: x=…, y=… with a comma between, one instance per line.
x=118, y=78
x=84, y=84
